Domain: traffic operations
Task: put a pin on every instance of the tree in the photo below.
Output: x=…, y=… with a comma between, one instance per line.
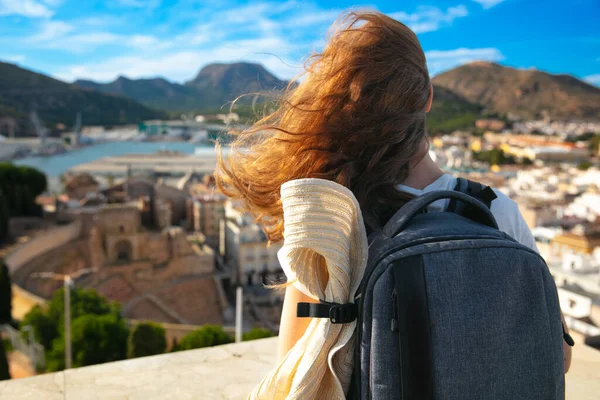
x=526, y=161
x=98, y=332
x=83, y=302
x=4, y=369
x=95, y=339
x=146, y=339
x=207, y=336
x=494, y=157
x=175, y=345
x=584, y=165
x=44, y=328
x=21, y=186
x=257, y=333
x=3, y=216
x=5, y=294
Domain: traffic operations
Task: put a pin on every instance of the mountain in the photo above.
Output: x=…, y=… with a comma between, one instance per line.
x=157, y=93
x=215, y=86
x=450, y=112
x=525, y=93
x=225, y=82
x=218, y=84
x=23, y=91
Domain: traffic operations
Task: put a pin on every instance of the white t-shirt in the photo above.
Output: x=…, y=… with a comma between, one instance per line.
x=504, y=209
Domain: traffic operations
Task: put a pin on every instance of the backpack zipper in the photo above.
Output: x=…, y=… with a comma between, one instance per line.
x=394, y=322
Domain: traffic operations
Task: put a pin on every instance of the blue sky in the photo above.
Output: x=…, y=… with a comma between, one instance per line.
x=100, y=40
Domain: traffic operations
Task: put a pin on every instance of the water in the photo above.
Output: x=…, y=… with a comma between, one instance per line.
x=55, y=166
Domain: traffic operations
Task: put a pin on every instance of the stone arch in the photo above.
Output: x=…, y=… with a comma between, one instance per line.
x=123, y=251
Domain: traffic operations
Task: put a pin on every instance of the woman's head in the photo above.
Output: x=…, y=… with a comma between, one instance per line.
x=357, y=118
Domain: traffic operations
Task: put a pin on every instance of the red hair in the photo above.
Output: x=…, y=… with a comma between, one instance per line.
x=357, y=119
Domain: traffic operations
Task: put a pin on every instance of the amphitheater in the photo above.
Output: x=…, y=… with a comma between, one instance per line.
x=161, y=275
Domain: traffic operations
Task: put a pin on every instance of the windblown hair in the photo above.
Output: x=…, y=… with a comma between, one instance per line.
x=358, y=118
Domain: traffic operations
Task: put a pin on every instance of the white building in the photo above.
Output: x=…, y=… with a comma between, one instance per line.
x=586, y=206
x=246, y=247
x=578, y=280
x=587, y=178
x=209, y=210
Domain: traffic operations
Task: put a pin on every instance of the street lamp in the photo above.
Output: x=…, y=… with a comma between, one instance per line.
x=68, y=283
x=29, y=330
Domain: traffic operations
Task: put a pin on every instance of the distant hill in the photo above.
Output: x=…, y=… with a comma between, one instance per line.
x=461, y=95
x=22, y=91
x=157, y=93
x=450, y=112
x=215, y=86
x=218, y=84
x=225, y=82
x=525, y=93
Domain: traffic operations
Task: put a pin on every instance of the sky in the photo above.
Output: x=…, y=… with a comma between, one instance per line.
x=101, y=40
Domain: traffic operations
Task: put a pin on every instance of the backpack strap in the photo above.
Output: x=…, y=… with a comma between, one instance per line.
x=485, y=194
x=402, y=218
x=337, y=313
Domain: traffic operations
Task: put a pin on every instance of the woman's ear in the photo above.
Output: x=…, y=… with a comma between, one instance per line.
x=428, y=107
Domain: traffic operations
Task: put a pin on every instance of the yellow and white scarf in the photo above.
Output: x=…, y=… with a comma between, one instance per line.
x=322, y=222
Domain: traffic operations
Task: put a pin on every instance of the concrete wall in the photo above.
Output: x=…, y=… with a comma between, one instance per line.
x=176, y=199
x=20, y=226
x=119, y=219
x=41, y=244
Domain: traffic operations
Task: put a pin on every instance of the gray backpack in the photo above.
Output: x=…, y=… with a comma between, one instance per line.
x=452, y=308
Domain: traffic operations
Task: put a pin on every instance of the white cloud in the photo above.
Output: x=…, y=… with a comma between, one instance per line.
x=266, y=32
x=142, y=41
x=429, y=19
x=98, y=21
x=488, y=3
x=25, y=8
x=89, y=41
x=16, y=58
x=442, y=60
x=63, y=36
x=183, y=65
x=150, y=4
x=593, y=79
x=51, y=30
x=53, y=3
x=313, y=18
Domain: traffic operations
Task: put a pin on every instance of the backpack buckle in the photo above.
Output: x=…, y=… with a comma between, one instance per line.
x=343, y=313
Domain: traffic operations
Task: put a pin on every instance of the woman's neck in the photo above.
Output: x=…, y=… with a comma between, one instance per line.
x=423, y=173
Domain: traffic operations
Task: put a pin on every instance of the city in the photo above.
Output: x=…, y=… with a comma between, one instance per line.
x=116, y=242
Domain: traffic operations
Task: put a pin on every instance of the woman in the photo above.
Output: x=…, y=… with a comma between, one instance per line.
x=358, y=119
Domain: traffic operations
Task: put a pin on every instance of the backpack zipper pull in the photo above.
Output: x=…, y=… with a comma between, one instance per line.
x=567, y=338
x=394, y=312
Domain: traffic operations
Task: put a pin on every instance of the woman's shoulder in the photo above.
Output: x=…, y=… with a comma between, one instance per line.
x=503, y=204
x=510, y=220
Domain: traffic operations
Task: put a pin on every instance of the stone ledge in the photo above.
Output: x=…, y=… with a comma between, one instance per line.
x=222, y=372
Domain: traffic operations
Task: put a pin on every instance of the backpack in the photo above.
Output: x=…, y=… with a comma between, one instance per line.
x=452, y=308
